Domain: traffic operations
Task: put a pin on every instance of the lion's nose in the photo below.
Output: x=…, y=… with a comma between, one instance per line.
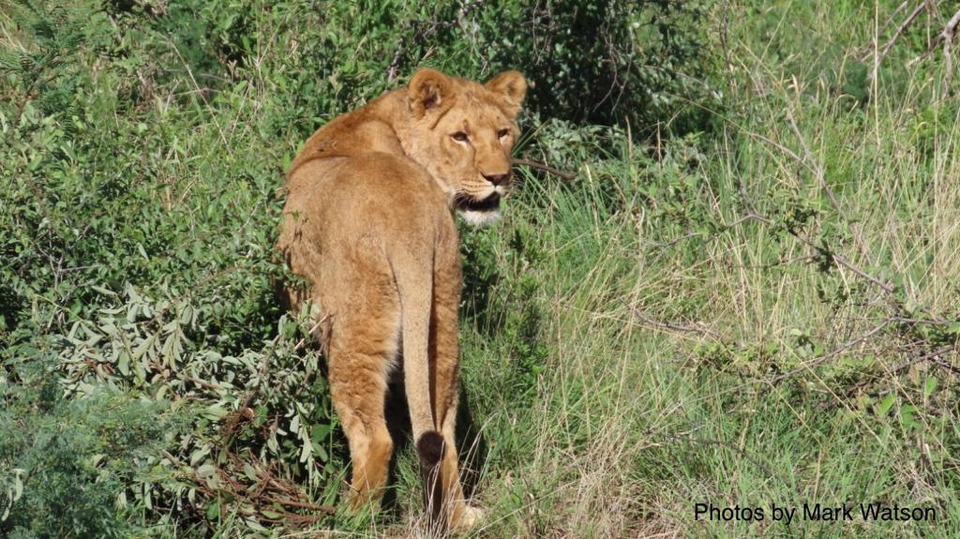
x=497, y=179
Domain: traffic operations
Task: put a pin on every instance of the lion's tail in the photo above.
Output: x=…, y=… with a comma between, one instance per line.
x=416, y=305
x=430, y=451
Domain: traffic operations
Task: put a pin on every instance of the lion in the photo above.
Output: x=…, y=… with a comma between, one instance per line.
x=369, y=225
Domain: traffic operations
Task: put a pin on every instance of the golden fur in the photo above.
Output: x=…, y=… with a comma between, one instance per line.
x=368, y=222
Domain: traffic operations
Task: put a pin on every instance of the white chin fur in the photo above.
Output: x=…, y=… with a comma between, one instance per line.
x=480, y=218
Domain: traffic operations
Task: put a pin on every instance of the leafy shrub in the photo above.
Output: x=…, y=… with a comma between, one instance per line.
x=138, y=259
x=249, y=412
x=605, y=63
x=596, y=62
x=64, y=463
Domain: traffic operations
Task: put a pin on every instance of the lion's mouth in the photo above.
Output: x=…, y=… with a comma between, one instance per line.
x=490, y=203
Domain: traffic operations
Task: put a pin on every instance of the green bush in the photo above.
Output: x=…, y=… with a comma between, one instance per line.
x=66, y=463
x=597, y=62
x=137, y=257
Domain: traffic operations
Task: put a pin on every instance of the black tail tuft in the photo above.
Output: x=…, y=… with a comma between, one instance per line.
x=430, y=449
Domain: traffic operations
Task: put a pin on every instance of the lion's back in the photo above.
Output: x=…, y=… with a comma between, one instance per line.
x=373, y=198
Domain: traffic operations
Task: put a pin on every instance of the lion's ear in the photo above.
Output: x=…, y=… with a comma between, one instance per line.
x=429, y=89
x=512, y=85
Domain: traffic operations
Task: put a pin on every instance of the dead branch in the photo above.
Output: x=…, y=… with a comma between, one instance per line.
x=698, y=327
x=831, y=354
x=809, y=162
x=882, y=52
x=280, y=496
x=841, y=260
x=546, y=168
x=890, y=19
x=888, y=290
x=935, y=357
x=945, y=37
x=937, y=360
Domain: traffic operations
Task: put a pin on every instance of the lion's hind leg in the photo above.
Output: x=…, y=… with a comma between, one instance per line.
x=358, y=398
x=362, y=349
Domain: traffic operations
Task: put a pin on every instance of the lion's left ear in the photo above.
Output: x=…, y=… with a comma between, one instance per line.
x=429, y=89
x=512, y=85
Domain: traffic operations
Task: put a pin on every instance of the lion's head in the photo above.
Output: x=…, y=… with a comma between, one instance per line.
x=462, y=133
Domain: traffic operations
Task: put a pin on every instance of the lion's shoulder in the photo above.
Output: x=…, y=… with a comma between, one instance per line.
x=367, y=129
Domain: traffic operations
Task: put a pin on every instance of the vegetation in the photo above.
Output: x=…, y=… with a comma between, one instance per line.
x=747, y=299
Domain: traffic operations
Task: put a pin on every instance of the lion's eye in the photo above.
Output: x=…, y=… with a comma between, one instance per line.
x=460, y=136
x=502, y=133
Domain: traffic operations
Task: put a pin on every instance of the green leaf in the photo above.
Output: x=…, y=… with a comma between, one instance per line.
x=884, y=406
x=320, y=431
x=206, y=470
x=908, y=416
x=215, y=411
x=213, y=510
x=144, y=346
x=249, y=471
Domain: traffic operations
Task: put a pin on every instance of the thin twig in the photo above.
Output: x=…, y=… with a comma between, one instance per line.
x=329, y=509
x=698, y=328
x=882, y=52
x=811, y=163
x=546, y=168
x=842, y=261
x=749, y=217
x=808, y=162
x=671, y=243
x=932, y=356
x=945, y=37
x=833, y=353
x=789, y=153
x=303, y=341
x=203, y=383
x=825, y=187
x=889, y=20
x=940, y=362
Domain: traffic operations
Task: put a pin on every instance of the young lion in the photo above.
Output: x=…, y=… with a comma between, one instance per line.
x=368, y=223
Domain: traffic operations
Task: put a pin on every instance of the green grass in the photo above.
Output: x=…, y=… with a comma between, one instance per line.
x=705, y=344
x=761, y=313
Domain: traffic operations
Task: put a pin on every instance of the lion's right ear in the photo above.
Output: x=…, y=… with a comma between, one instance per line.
x=429, y=89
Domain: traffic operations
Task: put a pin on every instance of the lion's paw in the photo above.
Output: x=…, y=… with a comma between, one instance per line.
x=467, y=518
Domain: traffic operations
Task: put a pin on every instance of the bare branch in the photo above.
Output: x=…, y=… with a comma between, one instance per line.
x=945, y=37
x=809, y=162
x=882, y=52
x=546, y=168
x=934, y=357
x=842, y=261
x=697, y=328
x=889, y=20
x=833, y=353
